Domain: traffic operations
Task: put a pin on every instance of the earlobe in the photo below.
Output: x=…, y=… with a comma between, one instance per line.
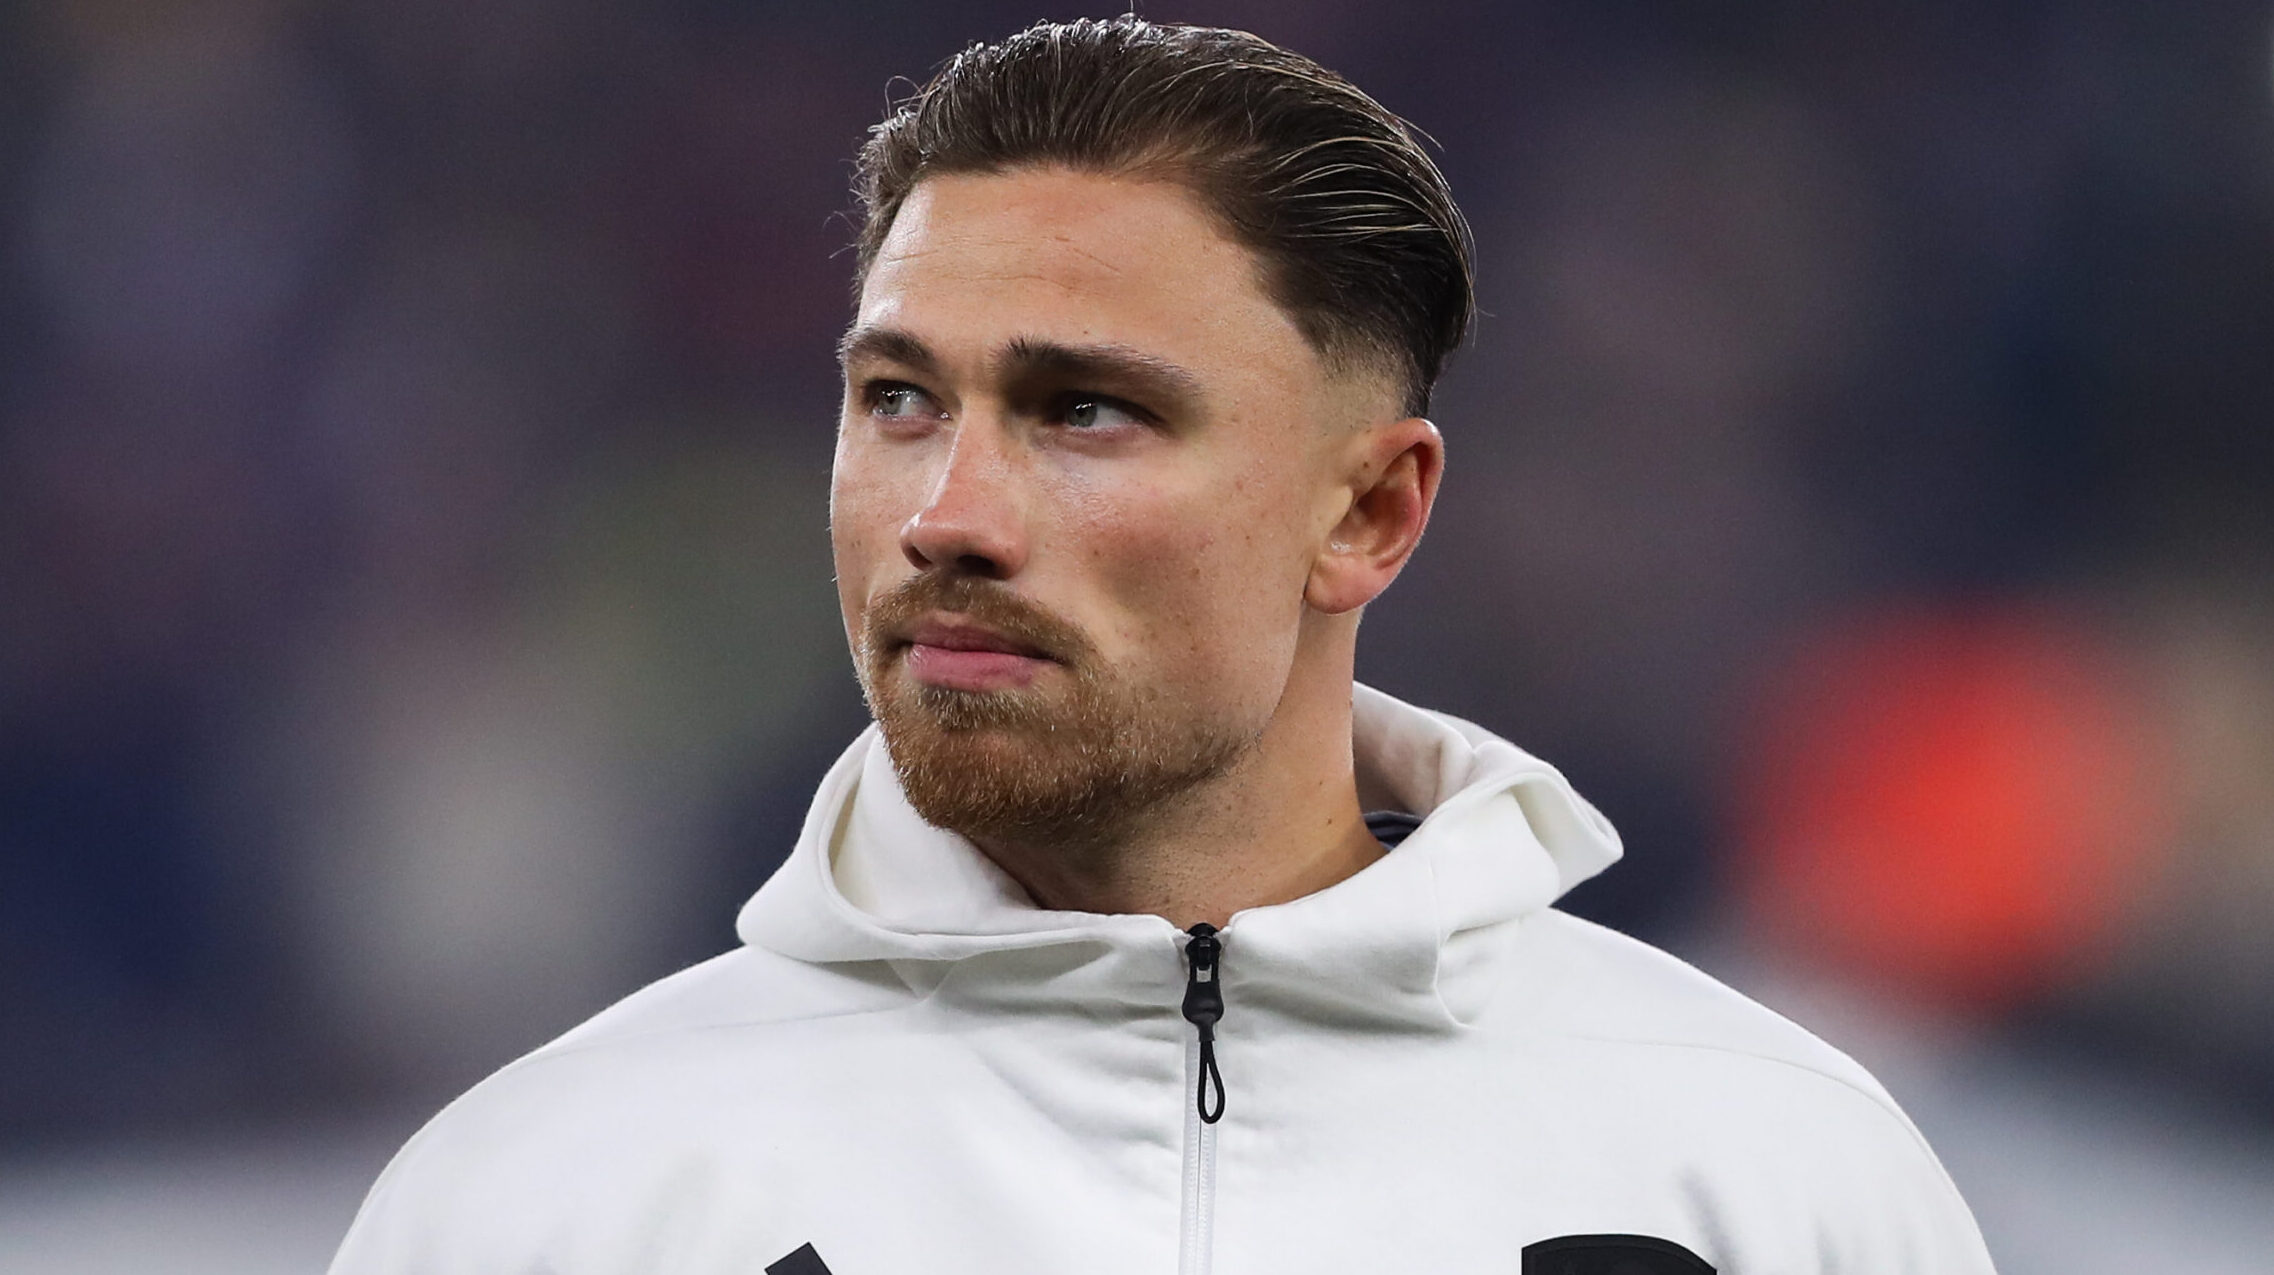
x=1390, y=494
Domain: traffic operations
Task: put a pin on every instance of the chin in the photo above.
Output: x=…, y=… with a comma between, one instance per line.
x=1059, y=768
x=1017, y=711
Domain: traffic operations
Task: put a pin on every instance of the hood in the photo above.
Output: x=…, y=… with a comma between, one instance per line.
x=1502, y=835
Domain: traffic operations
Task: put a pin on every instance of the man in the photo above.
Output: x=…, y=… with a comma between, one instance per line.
x=1089, y=957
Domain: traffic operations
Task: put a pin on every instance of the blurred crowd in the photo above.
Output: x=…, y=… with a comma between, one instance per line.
x=415, y=617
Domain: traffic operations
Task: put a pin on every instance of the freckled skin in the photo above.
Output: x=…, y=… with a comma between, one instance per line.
x=1216, y=556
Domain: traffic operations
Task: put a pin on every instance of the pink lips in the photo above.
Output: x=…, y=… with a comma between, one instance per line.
x=958, y=655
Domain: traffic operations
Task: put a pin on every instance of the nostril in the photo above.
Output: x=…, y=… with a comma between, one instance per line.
x=966, y=538
x=966, y=563
x=979, y=564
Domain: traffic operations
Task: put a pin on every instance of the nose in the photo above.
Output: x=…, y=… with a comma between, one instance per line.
x=971, y=522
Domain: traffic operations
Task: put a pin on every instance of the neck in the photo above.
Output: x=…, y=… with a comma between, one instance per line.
x=1282, y=822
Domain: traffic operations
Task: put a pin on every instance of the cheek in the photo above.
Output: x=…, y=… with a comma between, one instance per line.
x=864, y=531
x=1209, y=588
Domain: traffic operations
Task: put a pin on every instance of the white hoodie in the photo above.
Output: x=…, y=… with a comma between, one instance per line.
x=914, y=1071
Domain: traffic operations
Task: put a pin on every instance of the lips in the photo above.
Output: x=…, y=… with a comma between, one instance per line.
x=950, y=634
x=957, y=654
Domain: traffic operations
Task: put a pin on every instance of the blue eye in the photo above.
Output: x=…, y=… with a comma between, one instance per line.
x=901, y=401
x=1098, y=413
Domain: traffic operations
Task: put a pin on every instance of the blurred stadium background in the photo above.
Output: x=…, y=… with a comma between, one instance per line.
x=415, y=622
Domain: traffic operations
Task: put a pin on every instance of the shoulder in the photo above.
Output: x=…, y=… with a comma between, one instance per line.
x=1680, y=1045
x=583, y=1112
x=1767, y=1117
x=735, y=1005
x=749, y=987
x=1585, y=982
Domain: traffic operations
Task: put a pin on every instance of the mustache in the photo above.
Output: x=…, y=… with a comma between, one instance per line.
x=982, y=601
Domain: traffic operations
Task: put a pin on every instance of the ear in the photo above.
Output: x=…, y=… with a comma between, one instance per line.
x=1392, y=484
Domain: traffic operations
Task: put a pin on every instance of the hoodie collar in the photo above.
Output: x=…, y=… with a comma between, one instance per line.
x=1502, y=835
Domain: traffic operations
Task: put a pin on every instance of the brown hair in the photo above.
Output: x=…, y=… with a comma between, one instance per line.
x=1355, y=227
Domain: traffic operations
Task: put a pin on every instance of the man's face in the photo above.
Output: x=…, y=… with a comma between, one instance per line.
x=1084, y=470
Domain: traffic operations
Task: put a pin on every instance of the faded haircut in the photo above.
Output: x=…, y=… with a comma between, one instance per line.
x=1354, y=227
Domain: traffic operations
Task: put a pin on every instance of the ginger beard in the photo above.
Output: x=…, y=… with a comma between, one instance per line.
x=1073, y=762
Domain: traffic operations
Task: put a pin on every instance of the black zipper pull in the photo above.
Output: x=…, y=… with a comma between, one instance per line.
x=1203, y=1007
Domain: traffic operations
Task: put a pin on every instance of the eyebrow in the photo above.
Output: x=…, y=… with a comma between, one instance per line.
x=889, y=344
x=1113, y=366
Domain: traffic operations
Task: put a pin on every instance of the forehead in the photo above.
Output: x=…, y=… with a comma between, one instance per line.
x=974, y=261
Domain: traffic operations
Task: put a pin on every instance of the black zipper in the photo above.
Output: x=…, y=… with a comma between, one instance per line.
x=1203, y=1007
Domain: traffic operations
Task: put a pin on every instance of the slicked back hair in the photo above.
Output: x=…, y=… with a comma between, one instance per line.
x=1354, y=227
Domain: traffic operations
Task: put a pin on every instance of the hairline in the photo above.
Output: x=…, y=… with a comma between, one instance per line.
x=1359, y=357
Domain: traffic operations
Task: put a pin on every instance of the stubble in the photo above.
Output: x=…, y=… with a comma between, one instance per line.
x=1072, y=764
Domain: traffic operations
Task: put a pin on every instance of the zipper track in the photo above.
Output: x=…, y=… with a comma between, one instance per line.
x=1196, y=1253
